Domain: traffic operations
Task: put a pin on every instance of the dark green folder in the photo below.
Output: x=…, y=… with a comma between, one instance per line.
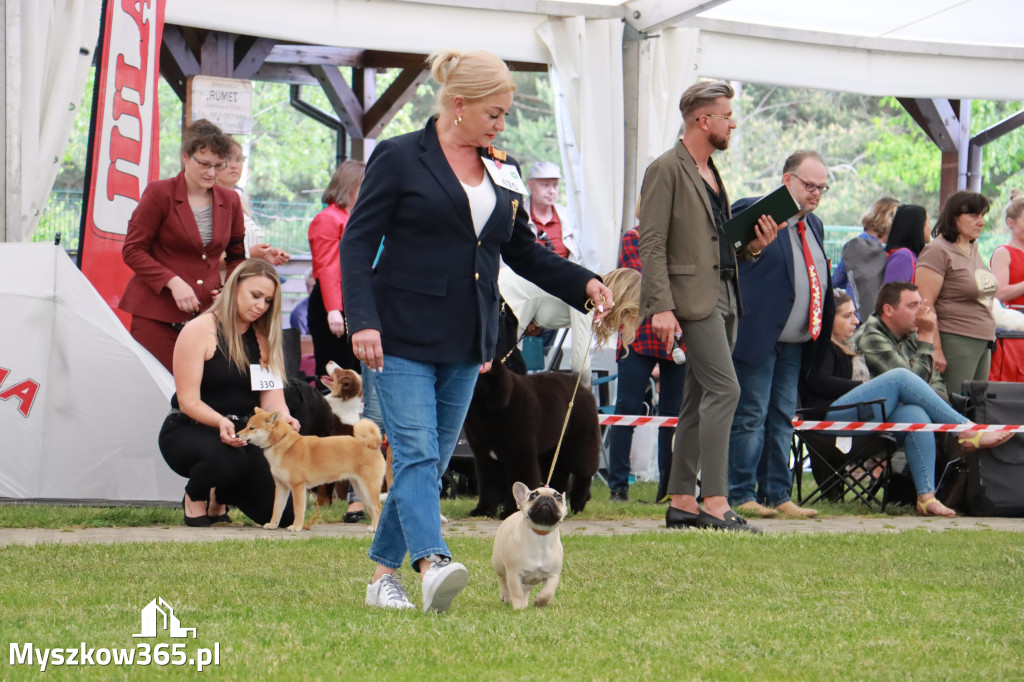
x=780, y=205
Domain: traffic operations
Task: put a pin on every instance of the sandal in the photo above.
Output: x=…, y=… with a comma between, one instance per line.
x=927, y=508
x=974, y=442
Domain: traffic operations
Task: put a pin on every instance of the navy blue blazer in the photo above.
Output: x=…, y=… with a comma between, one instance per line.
x=767, y=293
x=433, y=294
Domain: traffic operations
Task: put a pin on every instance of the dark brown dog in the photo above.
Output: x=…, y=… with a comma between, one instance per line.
x=513, y=427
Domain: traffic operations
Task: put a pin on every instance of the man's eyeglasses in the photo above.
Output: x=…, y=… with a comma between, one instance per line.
x=216, y=167
x=819, y=189
x=724, y=117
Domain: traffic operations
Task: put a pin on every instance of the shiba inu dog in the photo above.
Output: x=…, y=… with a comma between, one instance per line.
x=301, y=462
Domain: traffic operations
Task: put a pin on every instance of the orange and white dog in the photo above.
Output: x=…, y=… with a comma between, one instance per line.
x=301, y=462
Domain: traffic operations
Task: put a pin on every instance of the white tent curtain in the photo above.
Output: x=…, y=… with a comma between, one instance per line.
x=90, y=431
x=669, y=63
x=58, y=38
x=586, y=77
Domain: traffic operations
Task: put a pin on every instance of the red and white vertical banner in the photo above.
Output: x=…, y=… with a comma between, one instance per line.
x=124, y=140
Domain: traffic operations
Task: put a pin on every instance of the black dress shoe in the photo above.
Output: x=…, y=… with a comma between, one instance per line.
x=620, y=496
x=222, y=518
x=195, y=521
x=354, y=517
x=677, y=518
x=731, y=521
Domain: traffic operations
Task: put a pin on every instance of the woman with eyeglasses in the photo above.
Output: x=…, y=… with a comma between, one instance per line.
x=255, y=247
x=175, y=239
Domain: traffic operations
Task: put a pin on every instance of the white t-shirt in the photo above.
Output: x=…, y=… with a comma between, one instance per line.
x=481, y=202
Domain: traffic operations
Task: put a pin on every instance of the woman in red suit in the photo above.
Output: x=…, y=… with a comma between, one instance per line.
x=175, y=239
x=326, y=323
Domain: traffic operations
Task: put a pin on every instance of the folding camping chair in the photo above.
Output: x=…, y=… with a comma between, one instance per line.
x=842, y=471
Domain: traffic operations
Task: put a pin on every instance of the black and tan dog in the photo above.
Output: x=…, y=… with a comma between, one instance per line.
x=298, y=462
x=513, y=427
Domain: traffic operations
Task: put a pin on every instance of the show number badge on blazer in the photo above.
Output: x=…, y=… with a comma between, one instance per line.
x=503, y=175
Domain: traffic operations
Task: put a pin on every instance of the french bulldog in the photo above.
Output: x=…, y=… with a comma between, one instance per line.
x=528, y=547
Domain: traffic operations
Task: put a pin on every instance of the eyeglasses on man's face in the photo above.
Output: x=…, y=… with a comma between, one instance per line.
x=206, y=166
x=812, y=188
x=724, y=117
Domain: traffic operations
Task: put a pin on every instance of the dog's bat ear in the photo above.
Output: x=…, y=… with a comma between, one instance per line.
x=273, y=416
x=259, y=410
x=519, y=492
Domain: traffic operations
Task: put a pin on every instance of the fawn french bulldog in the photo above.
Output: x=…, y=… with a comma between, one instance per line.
x=528, y=547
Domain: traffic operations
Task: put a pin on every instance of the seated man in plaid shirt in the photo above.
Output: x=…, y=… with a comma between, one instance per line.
x=646, y=355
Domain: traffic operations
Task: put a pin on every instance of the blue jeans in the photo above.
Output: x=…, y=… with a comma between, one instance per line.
x=424, y=406
x=634, y=373
x=908, y=399
x=762, y=428
x=371, y=411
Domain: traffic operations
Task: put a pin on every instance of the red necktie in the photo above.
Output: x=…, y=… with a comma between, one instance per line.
x=814, y=316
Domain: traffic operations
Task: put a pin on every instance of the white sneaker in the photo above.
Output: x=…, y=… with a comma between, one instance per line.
x=442, y=581
x=388, y=593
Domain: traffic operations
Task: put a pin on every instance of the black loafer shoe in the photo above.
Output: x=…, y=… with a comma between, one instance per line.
x=354, y=517
x=195, y=521
x=732, y=521
x=677, y=518
x=223, y=518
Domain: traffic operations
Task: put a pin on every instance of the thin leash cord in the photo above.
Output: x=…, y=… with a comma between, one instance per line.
x=572, y=400
x=518, y=341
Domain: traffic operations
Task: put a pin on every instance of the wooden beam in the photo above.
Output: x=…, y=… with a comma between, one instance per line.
x=937, y=119
x=177, y=63
x=378, y=59
x=254, y=57
x=398, y=94
x=285, y=73
x=217, y=57
x=344, y=101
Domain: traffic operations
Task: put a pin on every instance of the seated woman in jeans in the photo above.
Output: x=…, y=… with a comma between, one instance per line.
x=838, y=377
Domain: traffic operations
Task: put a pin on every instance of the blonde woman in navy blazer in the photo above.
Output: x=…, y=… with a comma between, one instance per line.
x=176, y=271
x=425, y=317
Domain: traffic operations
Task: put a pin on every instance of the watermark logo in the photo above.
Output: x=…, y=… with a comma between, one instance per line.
x=157, y=618
x=159, y=611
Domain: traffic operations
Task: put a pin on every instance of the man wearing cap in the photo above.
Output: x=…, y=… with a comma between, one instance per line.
x=552, y=224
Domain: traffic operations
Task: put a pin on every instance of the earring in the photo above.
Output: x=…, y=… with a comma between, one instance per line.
x=458, y=120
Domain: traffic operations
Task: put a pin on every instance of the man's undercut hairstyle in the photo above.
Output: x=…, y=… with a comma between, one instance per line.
x=701, y=95
x=798, y=157
x=890, y=294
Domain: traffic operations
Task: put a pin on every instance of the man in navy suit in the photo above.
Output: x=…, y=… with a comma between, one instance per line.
x=788, y=307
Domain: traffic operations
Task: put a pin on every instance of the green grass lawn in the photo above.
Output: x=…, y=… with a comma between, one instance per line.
x=641, y=506
x=651, y=606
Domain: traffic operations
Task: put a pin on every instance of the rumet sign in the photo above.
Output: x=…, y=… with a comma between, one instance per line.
x=227, y=102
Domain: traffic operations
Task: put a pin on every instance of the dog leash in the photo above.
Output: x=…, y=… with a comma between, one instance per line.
x=589, y=305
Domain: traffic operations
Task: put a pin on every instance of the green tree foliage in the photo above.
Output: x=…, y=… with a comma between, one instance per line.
x=774, y=122
x=871, y=145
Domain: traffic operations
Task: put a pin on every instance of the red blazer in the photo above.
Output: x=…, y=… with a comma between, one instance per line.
x=163, y=241
x=324, y=238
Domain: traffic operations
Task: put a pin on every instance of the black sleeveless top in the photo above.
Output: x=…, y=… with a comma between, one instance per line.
x=224, y=387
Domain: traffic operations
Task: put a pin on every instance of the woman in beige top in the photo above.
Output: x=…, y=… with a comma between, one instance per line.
x=951, y=272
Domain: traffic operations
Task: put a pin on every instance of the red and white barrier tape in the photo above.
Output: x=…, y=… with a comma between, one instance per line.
x=801, y=425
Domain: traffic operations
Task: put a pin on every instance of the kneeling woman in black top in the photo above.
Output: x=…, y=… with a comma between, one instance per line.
x=214, y=358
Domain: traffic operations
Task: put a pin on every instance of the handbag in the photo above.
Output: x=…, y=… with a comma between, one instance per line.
x=953, y=484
